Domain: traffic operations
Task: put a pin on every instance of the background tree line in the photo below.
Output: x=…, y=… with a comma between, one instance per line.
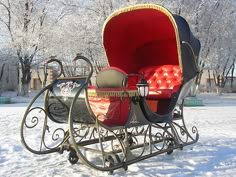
x=33, y=30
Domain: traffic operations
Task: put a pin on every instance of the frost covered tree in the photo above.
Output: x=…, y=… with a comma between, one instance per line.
x=27, y=22
x=81, y=30
x=215, y=27
x=36, y=27
x=213, y=22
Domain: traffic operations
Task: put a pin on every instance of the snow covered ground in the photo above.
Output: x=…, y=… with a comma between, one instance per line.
x=213, y=155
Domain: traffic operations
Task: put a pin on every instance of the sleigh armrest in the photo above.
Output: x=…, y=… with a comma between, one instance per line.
x=113, y=81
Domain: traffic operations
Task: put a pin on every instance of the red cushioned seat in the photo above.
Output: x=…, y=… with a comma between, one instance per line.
x=163, y=80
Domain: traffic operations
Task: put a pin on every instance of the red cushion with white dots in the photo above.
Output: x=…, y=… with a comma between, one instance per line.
x=163, y=80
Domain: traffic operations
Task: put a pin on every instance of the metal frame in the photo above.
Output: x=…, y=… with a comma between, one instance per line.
x=96, y=145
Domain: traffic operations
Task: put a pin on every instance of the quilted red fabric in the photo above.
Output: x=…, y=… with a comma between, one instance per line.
x=163, y=80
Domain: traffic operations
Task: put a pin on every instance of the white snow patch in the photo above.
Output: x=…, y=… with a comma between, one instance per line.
x=213, y=155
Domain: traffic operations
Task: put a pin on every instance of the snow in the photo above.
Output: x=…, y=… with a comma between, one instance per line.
x=213, y=155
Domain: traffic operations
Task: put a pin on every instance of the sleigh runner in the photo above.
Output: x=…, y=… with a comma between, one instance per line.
x=135, y=109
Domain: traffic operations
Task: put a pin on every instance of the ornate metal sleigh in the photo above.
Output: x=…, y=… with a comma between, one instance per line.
x=135, y=109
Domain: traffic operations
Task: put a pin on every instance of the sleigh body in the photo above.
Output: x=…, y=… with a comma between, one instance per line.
x=117, y=122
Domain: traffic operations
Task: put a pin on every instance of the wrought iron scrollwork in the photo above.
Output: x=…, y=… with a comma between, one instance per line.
x=36, y=123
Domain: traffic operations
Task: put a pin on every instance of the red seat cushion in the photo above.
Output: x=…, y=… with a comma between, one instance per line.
x=163, y=80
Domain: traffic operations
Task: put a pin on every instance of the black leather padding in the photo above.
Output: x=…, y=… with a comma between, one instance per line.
x=111, y=78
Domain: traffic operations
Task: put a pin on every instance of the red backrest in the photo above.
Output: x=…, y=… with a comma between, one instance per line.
x=162, y=77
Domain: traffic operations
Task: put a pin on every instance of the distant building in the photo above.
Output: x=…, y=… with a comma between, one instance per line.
x=38, y=77
x=8, y=73
x=208, y=82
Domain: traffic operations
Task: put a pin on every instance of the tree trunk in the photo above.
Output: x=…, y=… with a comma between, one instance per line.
x=219, y=90
x=24, y=89
x=25, y=79
x=1, y=76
